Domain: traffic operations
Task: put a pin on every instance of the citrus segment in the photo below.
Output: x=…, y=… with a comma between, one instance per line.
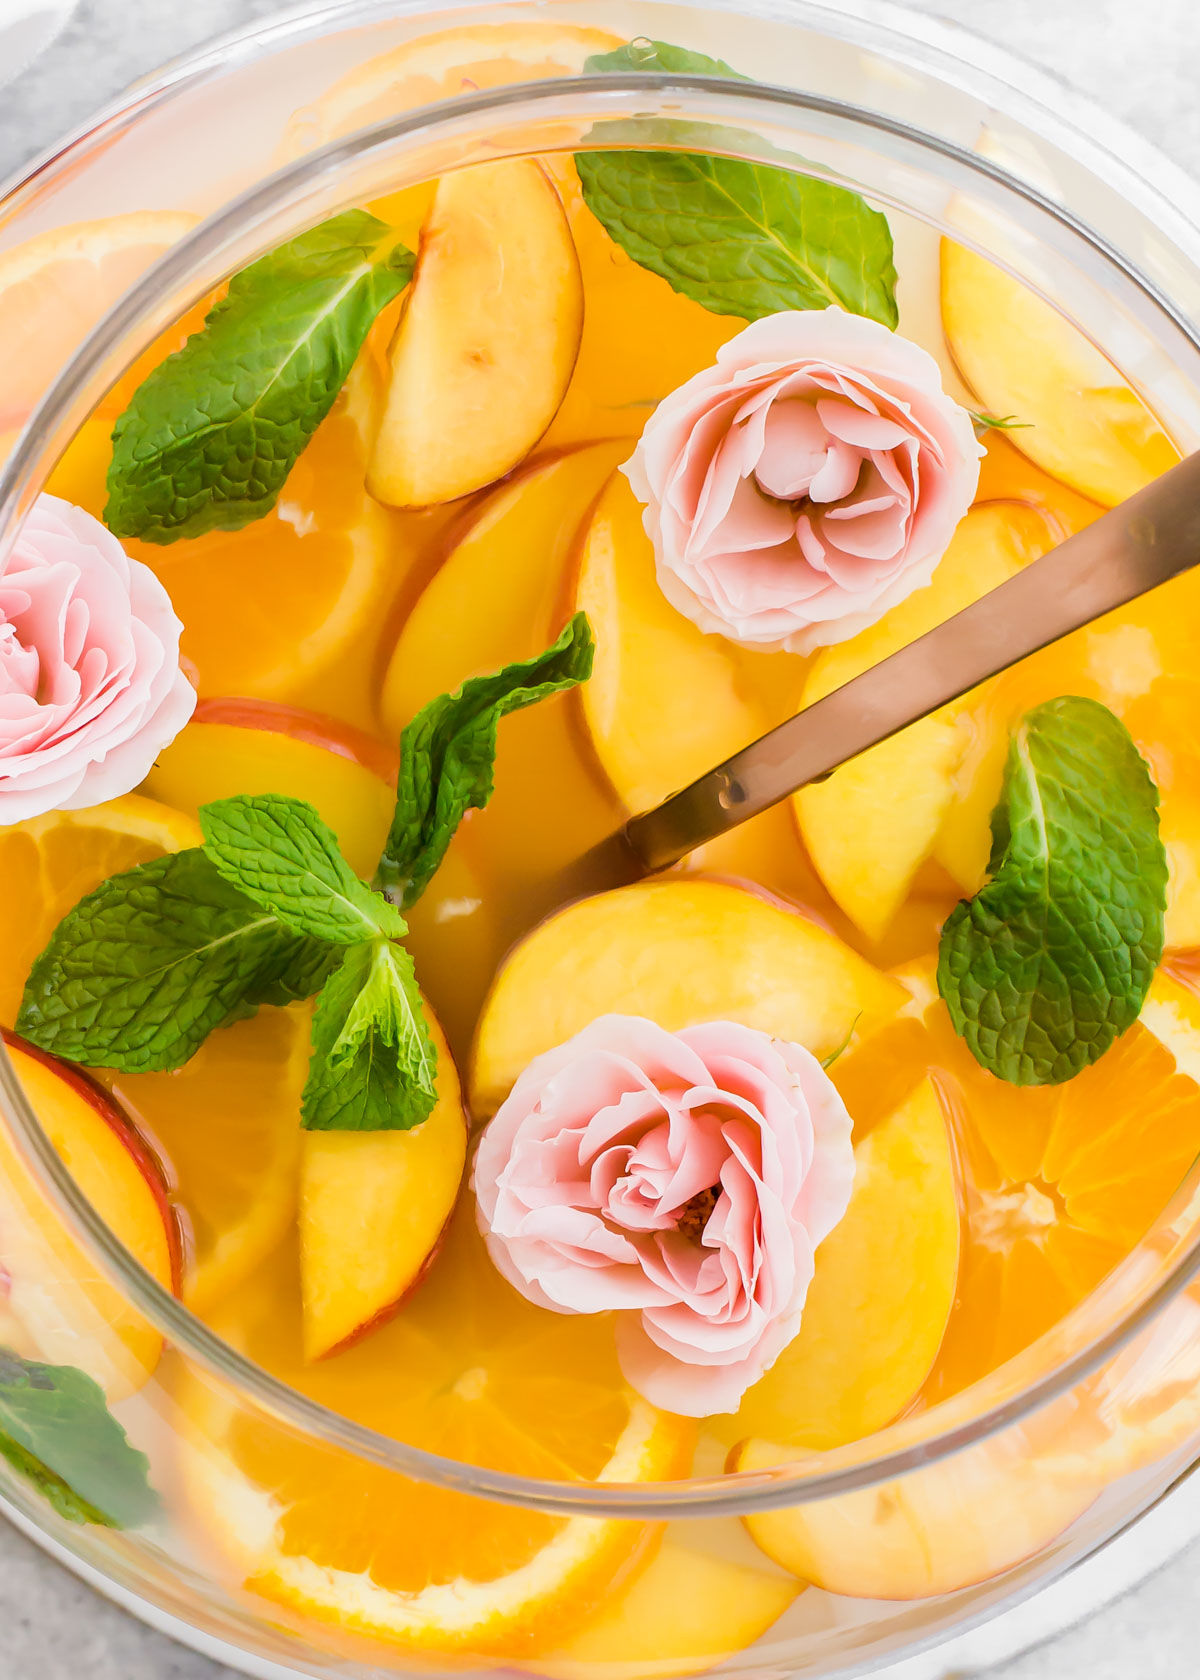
x=56, y=286
x=228, y=1122
x=313, y=581
x=1059, y=1181
x=49, y=863
x=439, y=66
x=468, y=1370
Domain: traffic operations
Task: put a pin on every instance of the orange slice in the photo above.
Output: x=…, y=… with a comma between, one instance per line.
x=469, y=1370
x=55, y=287
x=440, y=65
x=229, y=1124
x=1059, y=1182
x=291, y=607
x=50, y=862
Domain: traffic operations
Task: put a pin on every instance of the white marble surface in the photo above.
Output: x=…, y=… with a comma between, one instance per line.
x=1138, y=57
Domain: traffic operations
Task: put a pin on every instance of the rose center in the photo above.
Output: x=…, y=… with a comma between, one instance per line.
x=695, y=1213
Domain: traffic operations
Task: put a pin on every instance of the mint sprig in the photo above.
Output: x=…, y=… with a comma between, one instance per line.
x=448, y=752
x=268, y=911
x=139, y=973
x=374, y=1065
x=56, y=1430
x=279, y=853
x=740, y=238
x=213, y=432
x=1045, y=967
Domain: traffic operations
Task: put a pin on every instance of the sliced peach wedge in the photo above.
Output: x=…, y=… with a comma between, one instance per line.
x=487, y=339
x=881, y=1295
x=245, y=745
x=651, y=662
x=501, y=594
x=1080, y=420
x=57, y=1305
x=679, y=951
x=373, y=1208
x=872, y=825
x=945, y=1526
x=700, y=1601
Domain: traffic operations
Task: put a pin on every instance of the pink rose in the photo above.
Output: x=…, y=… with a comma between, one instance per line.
x=90, y=684
x=806, y=483
x=683, y=1177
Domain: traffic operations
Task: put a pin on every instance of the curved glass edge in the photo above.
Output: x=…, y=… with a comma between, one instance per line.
x=758, y=1491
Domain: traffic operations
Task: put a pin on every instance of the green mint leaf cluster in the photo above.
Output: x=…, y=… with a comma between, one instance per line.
x=56, y=1430
x=448, y=752
x=1046, y=966
x=268, y=911
x=213, y=432
x=139, y=973
x=272, y=850
x=740, y=238
x=374, y=1063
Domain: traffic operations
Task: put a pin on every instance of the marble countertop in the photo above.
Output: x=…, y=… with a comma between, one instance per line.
x=1136, y=57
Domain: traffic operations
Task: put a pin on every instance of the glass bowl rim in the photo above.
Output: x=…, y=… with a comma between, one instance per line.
x=727, y=1494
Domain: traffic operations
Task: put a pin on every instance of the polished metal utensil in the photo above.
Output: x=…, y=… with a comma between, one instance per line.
x=1145, y=541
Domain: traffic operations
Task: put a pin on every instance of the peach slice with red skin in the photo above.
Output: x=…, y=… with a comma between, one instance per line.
x=488, y=338
x=59, y=1307
x=243, y=745
x=373, y=1210
x=678, y=951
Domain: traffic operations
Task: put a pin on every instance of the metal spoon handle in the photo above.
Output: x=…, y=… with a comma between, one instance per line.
x=1150, y=538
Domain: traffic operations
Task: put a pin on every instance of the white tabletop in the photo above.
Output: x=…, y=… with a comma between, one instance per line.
x=1138, y=57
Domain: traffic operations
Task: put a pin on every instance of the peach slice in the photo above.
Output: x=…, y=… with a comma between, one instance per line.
x=373, y=1207
x=871, y=826
x=488, y=338
x=57, y=1305
x=693, y=1607
x=238, y=745
x=679, y=950
x=501, y=595
x=943, y=1527
x=707, y=696
x=1083, y=424
x=651, y=662
x=881, y=1296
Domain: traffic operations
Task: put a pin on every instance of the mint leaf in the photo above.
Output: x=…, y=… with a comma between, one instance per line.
x=744, y=239
x=997, y=422
x=373, y=1066
x=281, y=854
x=56, y=1430
x=448, y=751
x=1045, y=967
x=660, y=57
x=139, y=973
x=212, y=434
